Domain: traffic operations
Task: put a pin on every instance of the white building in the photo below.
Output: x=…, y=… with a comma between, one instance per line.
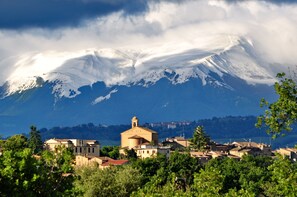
x=79, y=147
x=144, y=151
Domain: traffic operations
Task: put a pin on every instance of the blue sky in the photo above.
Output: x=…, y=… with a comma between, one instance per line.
x=71, y=25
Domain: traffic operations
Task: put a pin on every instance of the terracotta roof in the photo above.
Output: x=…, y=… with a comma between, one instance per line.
x=115, y=162
x=147, y=129
x=60, y=140
x=247, y=144
x=140, y=128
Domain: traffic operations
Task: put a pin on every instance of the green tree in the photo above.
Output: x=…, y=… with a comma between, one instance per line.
x=283, y=180
x=110, y=151
x=208, y=182
x=34, y=141
x=281, y=114
x=23, y=174
x=15, y=143
x=130, y=154
x=200, y=140
x=114, y=181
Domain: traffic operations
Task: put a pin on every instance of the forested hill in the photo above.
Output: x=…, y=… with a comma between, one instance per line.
x=225, y=129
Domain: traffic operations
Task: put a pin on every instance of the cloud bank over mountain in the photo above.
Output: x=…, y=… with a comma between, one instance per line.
x=271, y=27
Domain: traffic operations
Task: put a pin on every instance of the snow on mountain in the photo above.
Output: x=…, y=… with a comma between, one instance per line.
x=176, y=61
x=102, y=98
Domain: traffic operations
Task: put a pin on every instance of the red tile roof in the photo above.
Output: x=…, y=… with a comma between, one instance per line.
x=115, y=162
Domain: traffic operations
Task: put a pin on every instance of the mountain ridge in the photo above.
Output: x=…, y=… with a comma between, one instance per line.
x=165, y=83
x=70, y=71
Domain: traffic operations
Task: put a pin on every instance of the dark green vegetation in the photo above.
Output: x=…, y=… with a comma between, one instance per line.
x=52, y=174
x=222, y=130
x=24, y=174
x=182, y=175
x=200, y=140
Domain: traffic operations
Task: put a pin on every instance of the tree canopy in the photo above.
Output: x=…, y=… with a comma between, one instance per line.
x=34, y=141
x=22, y=173
x=281, y=114
x=200, y=140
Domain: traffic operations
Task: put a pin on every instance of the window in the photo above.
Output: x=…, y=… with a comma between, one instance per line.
x=76, y=149
x=89, y=150
x=80, y=149
x=93, y=150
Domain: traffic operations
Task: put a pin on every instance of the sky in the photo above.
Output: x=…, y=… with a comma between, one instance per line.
x=70, y=25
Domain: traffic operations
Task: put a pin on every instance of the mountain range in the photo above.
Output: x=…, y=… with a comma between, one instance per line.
x=223, y=75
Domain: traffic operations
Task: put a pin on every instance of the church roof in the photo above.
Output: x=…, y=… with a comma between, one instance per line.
x=140, y=128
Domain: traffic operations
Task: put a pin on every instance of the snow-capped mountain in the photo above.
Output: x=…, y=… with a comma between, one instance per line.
x=221, y=71
x=72, y=70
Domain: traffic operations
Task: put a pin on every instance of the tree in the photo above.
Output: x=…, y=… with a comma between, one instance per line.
x=283, y=178
x=208, y=182
x=35, y=142
x=114, y=181
x=200, y=140
x=130, y=154
x=15, y=143
x=110, y=151
x=281, y=114
x=25, y=174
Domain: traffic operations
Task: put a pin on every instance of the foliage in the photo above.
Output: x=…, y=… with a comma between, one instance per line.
x=208, y=182
x=51, y=174
x=167, y=177
x=110, y=151
x=34, y=141
x=283, y=180
x=200, y=140
x=107, y=182
x=24, y=174
x=15, y=143
x=281, y=114
x=130, y=154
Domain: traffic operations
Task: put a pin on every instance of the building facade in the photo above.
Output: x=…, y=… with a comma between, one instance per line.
x=137, y=135
x=145, y=151
x=79, y=147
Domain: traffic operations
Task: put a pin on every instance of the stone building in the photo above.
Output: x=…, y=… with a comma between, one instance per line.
x=101, y=162
x=79, y=147
x=138, y=135
x=291, y=153
x=176, y=143
x=145, y=151
x=250, y=148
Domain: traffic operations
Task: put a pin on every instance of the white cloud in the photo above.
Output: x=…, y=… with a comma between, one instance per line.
x=271, y=27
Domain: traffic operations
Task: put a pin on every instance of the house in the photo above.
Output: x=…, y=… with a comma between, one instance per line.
x=79, y=147
x=176, y=143
x=145, y=151
x=102, y=162
x=291, y=153
x=203, y=157
x=137, y=136
x=223, y=148
x=265, y=149
x=250, y=148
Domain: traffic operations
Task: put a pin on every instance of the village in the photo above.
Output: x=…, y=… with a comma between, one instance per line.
x=145, y=143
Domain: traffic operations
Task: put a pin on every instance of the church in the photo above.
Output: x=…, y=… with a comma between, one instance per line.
x=137, y=136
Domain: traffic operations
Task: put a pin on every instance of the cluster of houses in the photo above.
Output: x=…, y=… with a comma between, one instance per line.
x=145, y=143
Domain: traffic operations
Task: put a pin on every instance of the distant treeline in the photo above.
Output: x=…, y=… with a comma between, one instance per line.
x=223, y=129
